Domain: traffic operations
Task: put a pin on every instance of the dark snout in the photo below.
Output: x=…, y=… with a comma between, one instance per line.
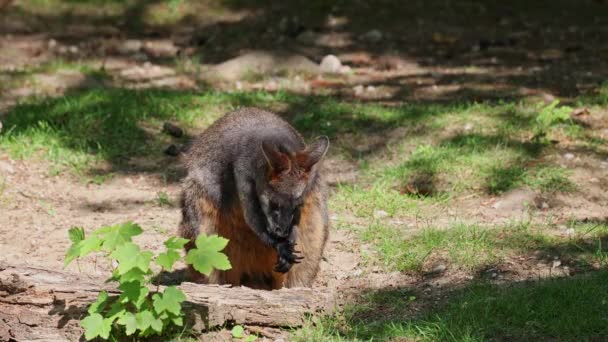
x=282, y=228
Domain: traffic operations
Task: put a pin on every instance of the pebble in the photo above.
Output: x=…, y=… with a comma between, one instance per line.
x=378, y=214
x=358, y=89
x=568, y=156
x=468, y=126
x=330, y=64
x=372, y=36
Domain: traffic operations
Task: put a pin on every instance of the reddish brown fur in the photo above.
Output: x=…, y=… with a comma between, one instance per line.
x=252, y=261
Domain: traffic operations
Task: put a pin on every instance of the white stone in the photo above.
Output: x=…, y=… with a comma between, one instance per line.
x=330, y=64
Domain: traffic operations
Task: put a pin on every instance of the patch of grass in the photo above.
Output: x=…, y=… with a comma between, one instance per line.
x=471, y=247
x=162, y=199
x=570, y=309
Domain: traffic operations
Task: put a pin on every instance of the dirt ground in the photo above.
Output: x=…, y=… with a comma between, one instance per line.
x=516, y=56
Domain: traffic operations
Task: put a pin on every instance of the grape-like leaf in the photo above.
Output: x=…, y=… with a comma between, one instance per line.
x=76, y=234
x=129, y=257
x=134, y=274
x=82, y=248
x=179, y=321
x=144, y=319
x=133, y=292
x=98, y=305
x=130, y=323
x=206, y=256
x=167, y=259
x=170, y=301
x=175, y=242
x=118, y=235
x=95, y=325
x=251, y=338
x=237, y=331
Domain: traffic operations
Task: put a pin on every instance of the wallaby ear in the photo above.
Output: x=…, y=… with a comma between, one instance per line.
x=313, y=153
x=277, y=160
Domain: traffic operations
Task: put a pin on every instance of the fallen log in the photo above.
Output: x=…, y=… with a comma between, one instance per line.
x=39, y=304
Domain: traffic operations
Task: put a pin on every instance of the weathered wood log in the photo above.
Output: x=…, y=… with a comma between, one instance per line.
x=44, y=305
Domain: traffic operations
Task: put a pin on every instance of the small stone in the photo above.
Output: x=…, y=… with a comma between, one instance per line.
x=439, y=268
x=173, y=130
x=307, y=37
x=379, y=214
x=238, y=85
x=594, y=180
x=359, y=89
x=544, y=205
x=172, y=150
x=604, y=165
x=52, y=43
x=330, y=64
x=73, y=49
x=570, y=232
x=357, y=272
x=568, y=156
x=373, y=36
x=468, y=126
x=556, y=263
x=130, y=46
x=370, y=89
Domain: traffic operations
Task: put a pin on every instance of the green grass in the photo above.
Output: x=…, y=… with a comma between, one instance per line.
x=472, y=247
x=562, y=309
x=83, y=131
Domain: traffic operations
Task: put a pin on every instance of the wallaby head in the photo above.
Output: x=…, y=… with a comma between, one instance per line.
x=289, y=175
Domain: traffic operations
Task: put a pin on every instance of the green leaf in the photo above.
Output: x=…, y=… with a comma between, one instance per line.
x=134, y=274
x=146, y=319
x=133, y=292
x=167, y=259
x=119, y=235
x=179, y=321
x=157, y=325
x=175, y=242
x=95, y=325
x=170, y=301
x=98, y=305
x=206, y=256
x=237, y=331
x=251, y=338
x=76, y=234
x=130, y=323
x=82, y=248
x=130, y=257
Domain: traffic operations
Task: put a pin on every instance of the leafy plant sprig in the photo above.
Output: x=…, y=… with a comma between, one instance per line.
x=137, y=310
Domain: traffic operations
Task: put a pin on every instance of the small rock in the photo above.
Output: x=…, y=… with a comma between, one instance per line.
x=130, y=46
x=73, y=49
x=556, y=263
x=379, y=214
x=172, y=129
x=330, y=64
x=544, y=205
x=172, y=150
x=570, y=232
x=359, y=89
x=52, y=43
x=370, y=89
x=373, y=36
x=307, y=37
x=439, y=268
x=604, y=165
x=238, y=85
x=568, y=156
x=468, y=126
x=594, y=180
x=357, y=272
